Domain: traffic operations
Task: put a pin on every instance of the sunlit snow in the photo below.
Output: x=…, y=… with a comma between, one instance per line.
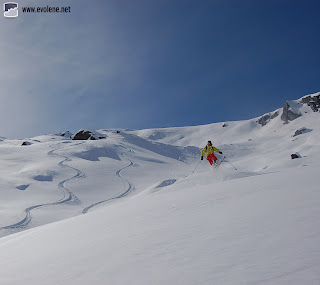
x=137, y=207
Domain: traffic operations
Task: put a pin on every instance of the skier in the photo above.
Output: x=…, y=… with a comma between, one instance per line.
x=209, y=150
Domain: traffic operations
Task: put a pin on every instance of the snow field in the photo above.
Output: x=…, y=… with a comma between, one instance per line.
x=250, y=229
x=130, y=209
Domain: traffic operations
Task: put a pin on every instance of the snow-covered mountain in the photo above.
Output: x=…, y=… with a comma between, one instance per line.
x=138, y=206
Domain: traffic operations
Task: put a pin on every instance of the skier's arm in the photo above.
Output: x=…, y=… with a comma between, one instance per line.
x=203, y=152
x=217, y=150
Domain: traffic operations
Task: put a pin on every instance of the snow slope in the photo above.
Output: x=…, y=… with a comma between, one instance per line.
x=138, y=208
x=54, y=178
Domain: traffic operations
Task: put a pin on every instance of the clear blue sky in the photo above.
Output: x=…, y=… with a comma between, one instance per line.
x=154, y=63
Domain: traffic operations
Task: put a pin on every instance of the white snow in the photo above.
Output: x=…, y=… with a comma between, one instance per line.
x=138, y=208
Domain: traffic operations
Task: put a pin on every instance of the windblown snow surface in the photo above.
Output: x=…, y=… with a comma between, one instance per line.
x=138, y=208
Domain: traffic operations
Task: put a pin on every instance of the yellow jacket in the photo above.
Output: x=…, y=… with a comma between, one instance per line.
x=208, y=150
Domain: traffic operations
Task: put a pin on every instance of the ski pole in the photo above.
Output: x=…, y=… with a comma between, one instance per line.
x=230, y=163
x=196, y=167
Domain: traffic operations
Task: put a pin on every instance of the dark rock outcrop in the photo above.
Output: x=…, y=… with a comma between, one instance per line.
x=82, y=135
x=267, y=117
x=292, y=109
x=264, y=119
x=87, y=135
x=289, y=115
x=312, y=101
x=301, y=131
x=26, y=143
x=295, y=155
x=66, y=134
x=274, y=115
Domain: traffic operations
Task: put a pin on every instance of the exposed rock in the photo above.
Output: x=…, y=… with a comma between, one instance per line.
x=67, y=134
x=295, y=155
x=312, y=101
x=288, y=114
x=26, y=143
x=264, y=119
x=225, y=125
x=294, y=109
x=301, y=131
x=82, y=135
x=275, y=114
x=87, y=135
x=267, y=117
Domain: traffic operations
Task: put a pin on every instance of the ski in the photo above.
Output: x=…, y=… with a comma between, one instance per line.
x=216, y=165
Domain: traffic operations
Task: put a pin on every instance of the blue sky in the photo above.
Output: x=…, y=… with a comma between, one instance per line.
x=154, y=63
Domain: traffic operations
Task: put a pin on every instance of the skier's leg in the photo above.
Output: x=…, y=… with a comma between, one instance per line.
x=210, y=159
x=214, y=157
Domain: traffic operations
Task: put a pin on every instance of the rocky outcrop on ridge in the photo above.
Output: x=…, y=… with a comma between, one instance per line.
x=312, y=101
x=88, y=135
x=292, y=109
x=265, y=119
x=289, y=114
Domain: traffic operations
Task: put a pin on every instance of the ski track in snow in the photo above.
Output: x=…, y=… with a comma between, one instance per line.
x=128, y=188
x=68, y=196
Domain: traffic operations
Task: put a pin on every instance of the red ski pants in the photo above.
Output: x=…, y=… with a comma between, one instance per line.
x=211, y=157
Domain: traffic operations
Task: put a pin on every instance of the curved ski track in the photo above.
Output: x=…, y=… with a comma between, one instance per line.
x=68, y=196
x=129, y=188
